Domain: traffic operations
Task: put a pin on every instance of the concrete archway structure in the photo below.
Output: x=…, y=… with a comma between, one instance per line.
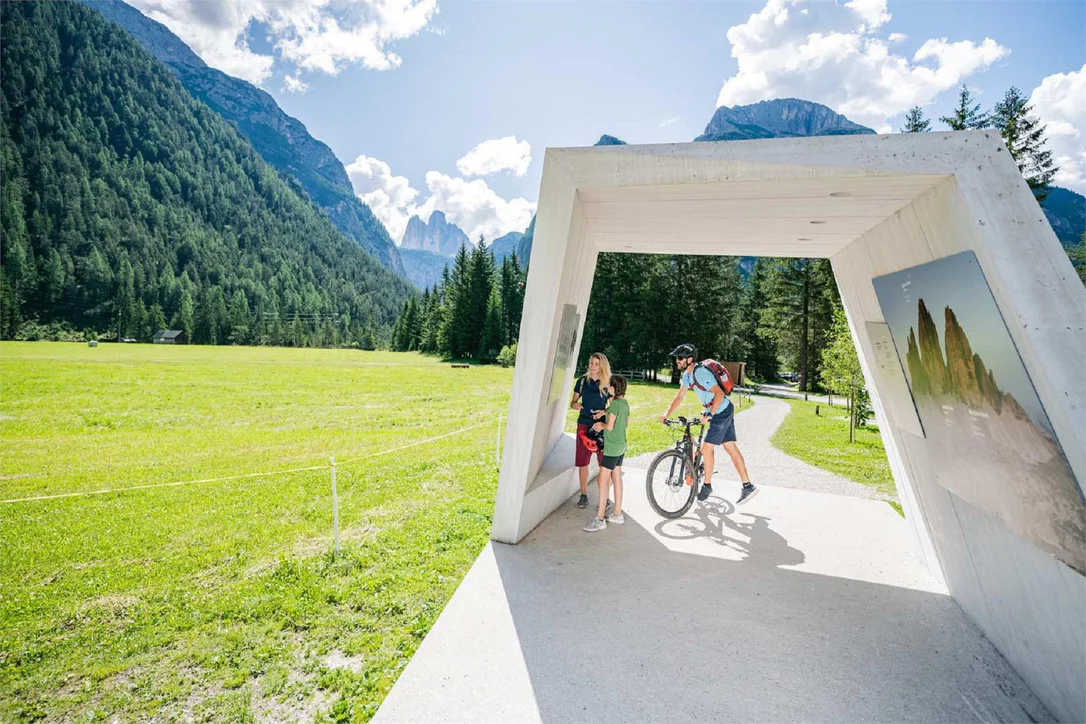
x=873, y=205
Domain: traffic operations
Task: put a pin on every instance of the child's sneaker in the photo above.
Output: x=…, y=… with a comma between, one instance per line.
x=619, y=519
x=594, y=525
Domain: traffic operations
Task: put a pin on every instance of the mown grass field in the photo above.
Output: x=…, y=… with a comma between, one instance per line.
x=221, y=601
x=822, y=440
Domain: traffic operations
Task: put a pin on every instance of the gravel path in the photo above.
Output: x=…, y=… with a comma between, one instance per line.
x=768, y=465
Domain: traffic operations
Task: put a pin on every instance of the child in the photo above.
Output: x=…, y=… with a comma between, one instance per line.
x=614, y=449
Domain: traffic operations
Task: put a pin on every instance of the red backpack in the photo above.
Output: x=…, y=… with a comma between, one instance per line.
x=719, y=373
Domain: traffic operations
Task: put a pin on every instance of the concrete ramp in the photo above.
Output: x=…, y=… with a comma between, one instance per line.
x=798, y=606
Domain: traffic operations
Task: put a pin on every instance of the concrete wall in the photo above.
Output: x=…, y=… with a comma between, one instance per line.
x=1030, y=605
x=918, y=197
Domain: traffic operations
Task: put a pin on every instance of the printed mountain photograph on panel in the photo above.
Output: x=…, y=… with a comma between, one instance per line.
x=989, y=438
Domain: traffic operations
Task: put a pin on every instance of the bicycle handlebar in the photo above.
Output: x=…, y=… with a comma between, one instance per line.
x=681, y=421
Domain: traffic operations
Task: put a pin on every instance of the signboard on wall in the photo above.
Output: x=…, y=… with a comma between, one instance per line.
x=564, y=351
x=893, y=389
x=988, y=437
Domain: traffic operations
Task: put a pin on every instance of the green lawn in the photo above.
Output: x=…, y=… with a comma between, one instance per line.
x=823, y=441
x=220, y=601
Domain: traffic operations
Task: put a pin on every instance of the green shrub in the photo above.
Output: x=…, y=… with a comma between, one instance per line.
x=508, y=356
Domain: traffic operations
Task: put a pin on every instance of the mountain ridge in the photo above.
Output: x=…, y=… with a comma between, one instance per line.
x=282, y=140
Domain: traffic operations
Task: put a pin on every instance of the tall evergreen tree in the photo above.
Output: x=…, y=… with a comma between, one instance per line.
x=1024, y=135
x=459, y=322
x=915, y=121
x=493, y=334
x=967, y=114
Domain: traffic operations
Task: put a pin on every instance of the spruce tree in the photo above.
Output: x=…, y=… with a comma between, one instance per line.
x=915, y=121
x=459, y=320
x=967, y=115
x=1024, y=135
x=493, y=333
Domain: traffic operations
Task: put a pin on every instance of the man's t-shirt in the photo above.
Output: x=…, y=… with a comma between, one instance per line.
x=614, y=441
x=706, y=380
x=592, y=399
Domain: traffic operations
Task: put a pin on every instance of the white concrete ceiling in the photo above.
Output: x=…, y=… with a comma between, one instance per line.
x=813, y=217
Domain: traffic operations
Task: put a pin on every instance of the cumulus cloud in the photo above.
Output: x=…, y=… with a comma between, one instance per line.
x=475, y=207
x=295, y=84
x=472, y=205
x=388, y=196
x=834, y=54
x=316, y=35
x=497, y=154
x=1060, y=102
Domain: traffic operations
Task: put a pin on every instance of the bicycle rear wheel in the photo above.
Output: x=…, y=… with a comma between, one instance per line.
x=665, y=484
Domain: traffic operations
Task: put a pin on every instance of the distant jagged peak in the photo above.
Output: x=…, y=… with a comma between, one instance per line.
x=437, y=235
x=606, y=140
x=778, y=118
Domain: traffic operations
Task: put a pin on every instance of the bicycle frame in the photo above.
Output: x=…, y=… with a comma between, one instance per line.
x=690, y=449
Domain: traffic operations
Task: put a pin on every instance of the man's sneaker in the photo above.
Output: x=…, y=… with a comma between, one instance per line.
x=609, y=507
x=749, y=491
x=583, y=502
x=705, y=492
x=594, y=525
x=619, y=519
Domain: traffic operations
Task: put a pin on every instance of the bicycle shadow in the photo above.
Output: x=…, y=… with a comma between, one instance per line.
x=712, y=520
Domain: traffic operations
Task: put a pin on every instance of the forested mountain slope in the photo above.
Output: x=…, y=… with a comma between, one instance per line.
x=281, y=140
x=127, y=205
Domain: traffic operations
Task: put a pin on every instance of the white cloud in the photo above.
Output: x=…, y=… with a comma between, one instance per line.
x=834, y=54
x=389, y=196
x=294, y=84
x=668, y=122
x=324, y=35
x=471, y=205
x=497, y=154
x=1060, y=101
x=475, y=207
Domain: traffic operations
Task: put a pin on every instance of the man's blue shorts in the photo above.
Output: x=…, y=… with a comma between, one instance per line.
x=722, y=427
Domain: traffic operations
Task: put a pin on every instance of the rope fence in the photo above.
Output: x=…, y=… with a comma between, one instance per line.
x=331, y=466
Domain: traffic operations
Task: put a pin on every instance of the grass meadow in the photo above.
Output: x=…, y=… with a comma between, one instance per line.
x=221, y=600
x=822, y=440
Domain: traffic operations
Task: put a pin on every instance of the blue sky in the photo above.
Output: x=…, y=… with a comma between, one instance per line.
x=421, y=83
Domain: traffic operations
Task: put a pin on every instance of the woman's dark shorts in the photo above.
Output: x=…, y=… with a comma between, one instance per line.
x=721, y=427
x=610, y=462
x=584, y=455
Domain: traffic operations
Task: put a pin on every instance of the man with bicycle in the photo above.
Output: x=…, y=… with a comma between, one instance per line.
x=719, y=415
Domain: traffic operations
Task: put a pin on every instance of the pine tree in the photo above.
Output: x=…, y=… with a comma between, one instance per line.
x=459, y=321
x=799, y=313
x=239, y=319
x=915, y=121
x=967, y=115
x=493, y=333
x=1024, y=135
x=758, y=344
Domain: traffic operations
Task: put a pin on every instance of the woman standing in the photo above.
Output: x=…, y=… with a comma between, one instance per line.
x=590, y=396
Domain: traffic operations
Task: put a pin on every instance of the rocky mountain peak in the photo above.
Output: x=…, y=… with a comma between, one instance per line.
x=779, y=118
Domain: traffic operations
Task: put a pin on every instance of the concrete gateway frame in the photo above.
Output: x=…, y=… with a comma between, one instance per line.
x=873, y=205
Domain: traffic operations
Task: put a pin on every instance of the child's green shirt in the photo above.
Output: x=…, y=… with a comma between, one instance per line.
x=614, y=440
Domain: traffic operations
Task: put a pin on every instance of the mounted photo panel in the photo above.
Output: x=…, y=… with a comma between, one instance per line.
x=988, y=436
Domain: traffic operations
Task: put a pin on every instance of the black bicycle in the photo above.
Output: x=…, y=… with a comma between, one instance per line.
x=675, y=475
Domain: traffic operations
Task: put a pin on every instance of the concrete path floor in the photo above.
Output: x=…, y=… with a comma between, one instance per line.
x=766, y=464
x=799, y=606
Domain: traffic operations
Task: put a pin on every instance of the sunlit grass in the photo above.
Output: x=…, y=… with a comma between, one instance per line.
x=822, y=440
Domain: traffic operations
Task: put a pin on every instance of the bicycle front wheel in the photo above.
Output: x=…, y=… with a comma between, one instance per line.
x=666, y=484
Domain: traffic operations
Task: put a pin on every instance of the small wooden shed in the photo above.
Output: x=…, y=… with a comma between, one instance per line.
x=170, y=336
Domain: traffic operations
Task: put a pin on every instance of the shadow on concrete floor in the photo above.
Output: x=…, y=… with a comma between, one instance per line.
x=758, y=614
